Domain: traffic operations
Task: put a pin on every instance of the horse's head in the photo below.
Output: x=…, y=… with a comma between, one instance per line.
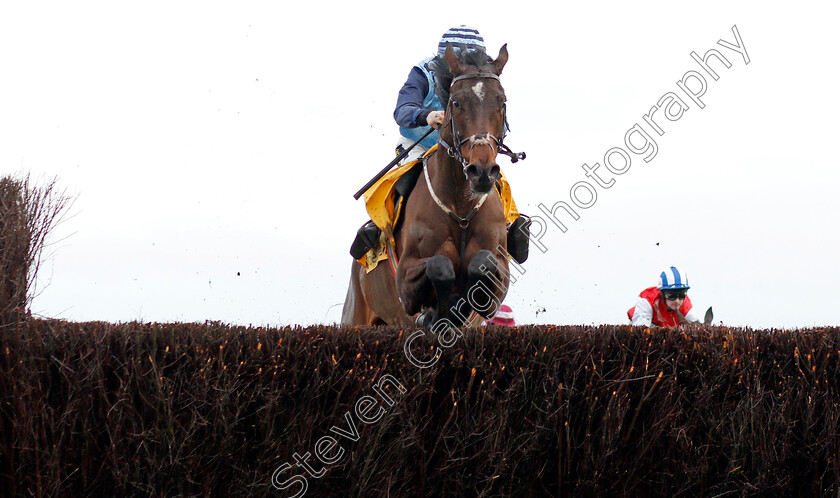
x=475, y=115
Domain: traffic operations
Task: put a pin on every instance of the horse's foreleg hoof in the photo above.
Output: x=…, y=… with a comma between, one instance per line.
x=441, y=274
x=483, y=292
x=480, y=265
x=440, y=270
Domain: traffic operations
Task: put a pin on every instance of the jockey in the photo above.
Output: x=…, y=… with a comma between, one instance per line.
x=419, y=109
x=665, y=305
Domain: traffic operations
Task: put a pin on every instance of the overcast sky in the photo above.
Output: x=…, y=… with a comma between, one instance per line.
x=213, y=150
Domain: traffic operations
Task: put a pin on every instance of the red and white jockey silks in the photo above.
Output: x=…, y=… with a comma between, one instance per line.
x=651, y=309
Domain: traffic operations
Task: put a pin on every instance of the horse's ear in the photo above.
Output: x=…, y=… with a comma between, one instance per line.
x=501, y=60
x=455, y=64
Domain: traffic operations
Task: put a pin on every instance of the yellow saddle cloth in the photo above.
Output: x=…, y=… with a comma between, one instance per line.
x=384, y=205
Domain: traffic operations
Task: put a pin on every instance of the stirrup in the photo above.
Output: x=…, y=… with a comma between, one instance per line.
x=518, y=238
x=367, y=238
x=424, y=320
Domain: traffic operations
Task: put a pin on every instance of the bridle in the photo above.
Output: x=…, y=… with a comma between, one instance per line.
x=481, y=138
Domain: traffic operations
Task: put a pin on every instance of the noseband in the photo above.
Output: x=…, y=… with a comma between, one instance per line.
x=482, y=138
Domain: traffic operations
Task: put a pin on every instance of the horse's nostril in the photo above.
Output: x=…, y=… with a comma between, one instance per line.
x=495, y=172
x=473, y=171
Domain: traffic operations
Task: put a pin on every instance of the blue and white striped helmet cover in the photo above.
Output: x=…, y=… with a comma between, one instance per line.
x=672, y=278
x=462, y=37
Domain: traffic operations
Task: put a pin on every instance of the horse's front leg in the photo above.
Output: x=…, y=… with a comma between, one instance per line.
x=417, y=279
x=487, y=284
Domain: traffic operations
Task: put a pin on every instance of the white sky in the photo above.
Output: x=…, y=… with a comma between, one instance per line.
x=214, y=149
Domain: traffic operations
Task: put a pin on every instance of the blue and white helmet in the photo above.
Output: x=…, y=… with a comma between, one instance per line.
x=462, y=38
x=672, y=278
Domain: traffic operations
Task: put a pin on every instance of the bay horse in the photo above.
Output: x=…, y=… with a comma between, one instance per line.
x=452, y=241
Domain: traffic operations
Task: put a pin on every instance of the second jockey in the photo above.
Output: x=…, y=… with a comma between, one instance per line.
x=667, y=304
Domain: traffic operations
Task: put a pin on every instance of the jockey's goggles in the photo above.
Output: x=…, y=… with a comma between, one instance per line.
x=672, y=295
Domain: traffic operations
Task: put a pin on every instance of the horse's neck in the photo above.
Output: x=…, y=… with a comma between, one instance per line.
x=450, y=183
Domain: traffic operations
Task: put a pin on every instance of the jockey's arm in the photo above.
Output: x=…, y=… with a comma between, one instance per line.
x=643, y=314
x=409, y=112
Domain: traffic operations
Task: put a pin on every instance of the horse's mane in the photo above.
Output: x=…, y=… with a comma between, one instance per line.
x=477, y=58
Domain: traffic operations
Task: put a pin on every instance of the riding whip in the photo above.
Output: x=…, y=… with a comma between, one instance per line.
x=390, y=165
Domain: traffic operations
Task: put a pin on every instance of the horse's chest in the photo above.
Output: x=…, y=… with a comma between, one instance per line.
x=427, y=242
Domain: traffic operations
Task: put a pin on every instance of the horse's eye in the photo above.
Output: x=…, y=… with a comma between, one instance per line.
x=456, y=104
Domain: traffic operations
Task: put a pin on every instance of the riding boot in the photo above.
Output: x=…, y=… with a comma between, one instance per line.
x=367, y=238
x=518, y=238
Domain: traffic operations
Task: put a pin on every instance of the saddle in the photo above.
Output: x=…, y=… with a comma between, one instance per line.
x=384, y=201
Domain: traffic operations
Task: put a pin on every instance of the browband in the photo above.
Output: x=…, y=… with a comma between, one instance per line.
x=475, y=75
